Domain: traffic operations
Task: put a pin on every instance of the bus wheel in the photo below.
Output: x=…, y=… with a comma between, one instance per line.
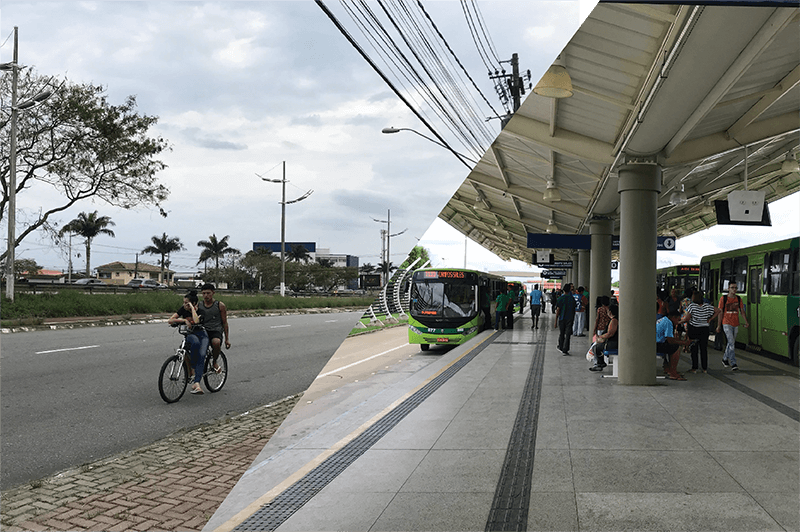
x=425, y=347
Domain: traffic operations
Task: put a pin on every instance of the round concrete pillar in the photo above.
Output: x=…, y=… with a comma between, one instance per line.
x=601, y=232
x=639, y=186
x=583, y=268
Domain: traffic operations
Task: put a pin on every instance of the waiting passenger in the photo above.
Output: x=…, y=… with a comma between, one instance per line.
x=500, y=311
x=668, y=345
x=608, y=341
x=603, y=317
x=699, y=315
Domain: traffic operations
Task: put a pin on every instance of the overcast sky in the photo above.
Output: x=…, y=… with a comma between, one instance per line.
x=240, y=87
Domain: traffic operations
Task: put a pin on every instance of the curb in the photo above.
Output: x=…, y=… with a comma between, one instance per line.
x=97, y=321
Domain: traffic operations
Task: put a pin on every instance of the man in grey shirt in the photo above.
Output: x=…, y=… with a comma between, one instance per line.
x=216, y=322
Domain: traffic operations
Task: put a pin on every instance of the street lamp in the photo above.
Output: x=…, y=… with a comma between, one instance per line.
x=461, y=157
x=14, y=67
x=283, y=222
x=388, y=222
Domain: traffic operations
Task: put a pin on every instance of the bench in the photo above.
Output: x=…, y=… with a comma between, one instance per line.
x=612, y=355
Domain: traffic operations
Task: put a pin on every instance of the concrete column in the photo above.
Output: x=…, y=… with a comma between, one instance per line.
x=639, y=186
x=584, y=267
x=600, y=274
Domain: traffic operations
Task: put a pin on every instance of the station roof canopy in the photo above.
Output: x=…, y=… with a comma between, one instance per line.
x=691, y=87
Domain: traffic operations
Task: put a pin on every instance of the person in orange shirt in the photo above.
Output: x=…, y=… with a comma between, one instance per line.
x=731, y=305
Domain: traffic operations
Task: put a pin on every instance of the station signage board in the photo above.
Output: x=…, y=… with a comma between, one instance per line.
x=554, y=274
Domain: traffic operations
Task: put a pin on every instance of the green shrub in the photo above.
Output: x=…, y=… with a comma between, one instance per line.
x=74, y=303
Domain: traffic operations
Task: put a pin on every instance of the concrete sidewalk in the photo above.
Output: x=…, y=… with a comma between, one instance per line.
x=507, y=433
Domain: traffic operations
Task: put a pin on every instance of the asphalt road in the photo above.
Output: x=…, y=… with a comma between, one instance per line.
x=73, y=396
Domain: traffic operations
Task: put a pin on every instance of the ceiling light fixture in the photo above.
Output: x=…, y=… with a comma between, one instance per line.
x=556, y=82
x=551, y=226
x=790, y=164
x=678, y=198
x=551, y=193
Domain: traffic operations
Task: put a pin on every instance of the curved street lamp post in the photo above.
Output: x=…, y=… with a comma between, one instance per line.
x=283, y=221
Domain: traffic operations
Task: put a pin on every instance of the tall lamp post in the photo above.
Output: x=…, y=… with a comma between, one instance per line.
x=461, y=157
x=389, y=236
x=14, y=67
x=283, y=221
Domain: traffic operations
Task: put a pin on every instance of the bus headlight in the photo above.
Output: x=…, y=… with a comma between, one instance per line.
x=414, y=330
x=470, y=331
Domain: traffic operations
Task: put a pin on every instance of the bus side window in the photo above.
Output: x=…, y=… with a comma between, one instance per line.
x=796, y=273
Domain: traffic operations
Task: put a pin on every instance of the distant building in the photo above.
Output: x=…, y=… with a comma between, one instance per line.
x=45, y=276
x=337, y=260
x=275, y=247
x=122, y=272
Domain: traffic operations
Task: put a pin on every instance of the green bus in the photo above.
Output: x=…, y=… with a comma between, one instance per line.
x=680, y=277
x=768, y=280
x=445, y=305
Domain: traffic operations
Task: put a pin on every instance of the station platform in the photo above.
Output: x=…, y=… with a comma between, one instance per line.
x=506, y=433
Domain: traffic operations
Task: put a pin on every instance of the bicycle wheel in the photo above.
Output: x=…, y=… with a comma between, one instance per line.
x=215, y=381
x=172, y=380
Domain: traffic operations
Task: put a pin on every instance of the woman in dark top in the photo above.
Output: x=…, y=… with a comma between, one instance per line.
x=192, y=316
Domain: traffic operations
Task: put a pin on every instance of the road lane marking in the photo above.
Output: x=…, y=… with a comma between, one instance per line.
x=279, y=326
x=331, y=321
x=67, y=349
x=360, y=361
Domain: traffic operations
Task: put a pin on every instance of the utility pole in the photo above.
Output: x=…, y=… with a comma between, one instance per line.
x=12, y=178
x=511, y=87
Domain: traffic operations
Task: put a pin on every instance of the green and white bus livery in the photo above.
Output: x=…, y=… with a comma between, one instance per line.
x=446, y=305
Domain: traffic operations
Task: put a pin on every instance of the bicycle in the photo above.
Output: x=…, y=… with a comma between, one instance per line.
x=174, y=376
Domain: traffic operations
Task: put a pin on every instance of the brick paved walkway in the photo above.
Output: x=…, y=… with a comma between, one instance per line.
x=174, y=484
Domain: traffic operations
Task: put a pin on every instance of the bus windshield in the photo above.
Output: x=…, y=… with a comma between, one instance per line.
x=443, y=299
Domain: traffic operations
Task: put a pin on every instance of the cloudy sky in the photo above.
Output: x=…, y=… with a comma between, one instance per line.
x=240, y=87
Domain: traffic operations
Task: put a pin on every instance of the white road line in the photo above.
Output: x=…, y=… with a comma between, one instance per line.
x=360, y=361
x=279, y=326
x=331, y=321
x=67, y=349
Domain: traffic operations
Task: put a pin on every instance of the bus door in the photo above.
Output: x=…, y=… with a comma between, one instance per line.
x=753, y=305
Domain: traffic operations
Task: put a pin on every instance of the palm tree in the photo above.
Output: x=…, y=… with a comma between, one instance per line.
x=164, y=246
x=215, y=249
x=298, y=253
x=88, y=226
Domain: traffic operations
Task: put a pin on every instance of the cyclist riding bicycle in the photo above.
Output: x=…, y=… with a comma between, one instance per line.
x=192, y=315
x=216, y=322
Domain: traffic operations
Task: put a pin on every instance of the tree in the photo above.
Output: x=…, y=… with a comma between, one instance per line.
x=163, y=246
x=298, y=253
x=264, y=267
x=418, y=252
x=367, y=268
x=81, y=145
x=25, y=265
x=88, y=226
x=215, y=249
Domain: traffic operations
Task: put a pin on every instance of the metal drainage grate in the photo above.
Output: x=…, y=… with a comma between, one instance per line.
x=276, y=512
x=512, y=496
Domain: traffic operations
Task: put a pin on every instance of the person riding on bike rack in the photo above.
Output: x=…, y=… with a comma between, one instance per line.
x=192, y=316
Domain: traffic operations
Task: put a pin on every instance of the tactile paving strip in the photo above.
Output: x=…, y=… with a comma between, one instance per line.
x=276, y=512
x=512, y=497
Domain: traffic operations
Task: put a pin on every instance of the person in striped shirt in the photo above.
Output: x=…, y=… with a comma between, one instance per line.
x=699, y=316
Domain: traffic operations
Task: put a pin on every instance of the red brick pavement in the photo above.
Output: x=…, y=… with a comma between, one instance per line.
x=173, y=484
